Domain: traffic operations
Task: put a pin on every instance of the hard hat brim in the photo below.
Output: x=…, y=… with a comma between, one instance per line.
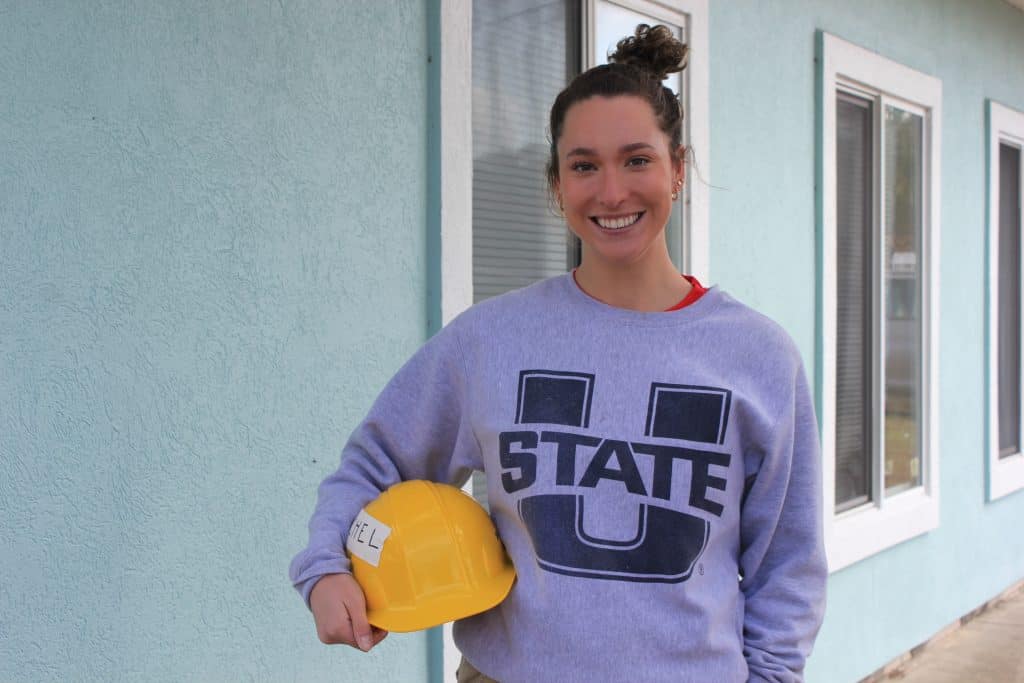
x=442, y=609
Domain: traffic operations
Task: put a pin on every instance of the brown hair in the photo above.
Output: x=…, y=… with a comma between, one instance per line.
x=638, y=66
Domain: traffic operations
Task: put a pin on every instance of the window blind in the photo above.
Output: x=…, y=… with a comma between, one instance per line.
x=1009, y=322
x=524, y=52
x=854, y=218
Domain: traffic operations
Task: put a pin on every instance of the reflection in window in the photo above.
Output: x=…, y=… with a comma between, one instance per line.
x=903, y=348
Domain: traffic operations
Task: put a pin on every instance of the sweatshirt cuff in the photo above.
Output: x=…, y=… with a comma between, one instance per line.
x=307, y=577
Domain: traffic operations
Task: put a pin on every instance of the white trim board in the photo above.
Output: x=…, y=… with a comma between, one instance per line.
x=456, y=130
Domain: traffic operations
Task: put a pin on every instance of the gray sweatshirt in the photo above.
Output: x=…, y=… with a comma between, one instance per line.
x=655, y=478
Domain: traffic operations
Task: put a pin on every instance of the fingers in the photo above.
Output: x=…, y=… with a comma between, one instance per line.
x=336, y=633
x=355, y=605
x=339, y=609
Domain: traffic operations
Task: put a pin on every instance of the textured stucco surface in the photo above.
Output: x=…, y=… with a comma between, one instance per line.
x=763, y=250
x=211, y=258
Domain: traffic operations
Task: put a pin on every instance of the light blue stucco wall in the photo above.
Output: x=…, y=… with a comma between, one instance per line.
x=212, y=255
x=763, y=249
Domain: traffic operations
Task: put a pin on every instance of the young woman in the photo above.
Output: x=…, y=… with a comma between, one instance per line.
x=650, y=446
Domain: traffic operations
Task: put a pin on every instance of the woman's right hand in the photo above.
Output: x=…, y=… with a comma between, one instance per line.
x=339, y=609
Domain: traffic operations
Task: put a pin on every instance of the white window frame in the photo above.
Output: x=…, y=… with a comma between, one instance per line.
x=855, y=534
x=1005, y=126
x=456, y=131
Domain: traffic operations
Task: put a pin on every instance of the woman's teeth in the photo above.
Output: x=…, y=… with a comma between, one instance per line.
x=618, y=223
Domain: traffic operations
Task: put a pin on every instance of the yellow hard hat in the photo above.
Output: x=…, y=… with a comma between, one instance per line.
x=425, y=554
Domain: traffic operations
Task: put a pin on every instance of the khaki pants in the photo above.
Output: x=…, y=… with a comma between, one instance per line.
x=467, y=673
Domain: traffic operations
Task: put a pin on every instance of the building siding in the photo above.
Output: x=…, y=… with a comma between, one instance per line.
x=763, y=249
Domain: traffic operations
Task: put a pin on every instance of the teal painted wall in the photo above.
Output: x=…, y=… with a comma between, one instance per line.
x=211, y=258
x=763, y=153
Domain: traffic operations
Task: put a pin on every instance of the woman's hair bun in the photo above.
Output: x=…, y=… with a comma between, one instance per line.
x=654, y=49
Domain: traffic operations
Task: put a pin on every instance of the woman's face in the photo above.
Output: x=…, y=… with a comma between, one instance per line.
x=616, y=175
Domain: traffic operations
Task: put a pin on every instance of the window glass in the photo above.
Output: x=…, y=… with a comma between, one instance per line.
x=902, y=341
x=524, y=52
x=854, y=182
x=1009, y=300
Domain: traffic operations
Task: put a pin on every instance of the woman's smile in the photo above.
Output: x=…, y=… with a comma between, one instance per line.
x=615, y=223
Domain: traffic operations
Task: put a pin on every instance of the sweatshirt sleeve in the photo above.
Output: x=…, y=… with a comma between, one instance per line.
x=418, y=428
x=782, y=554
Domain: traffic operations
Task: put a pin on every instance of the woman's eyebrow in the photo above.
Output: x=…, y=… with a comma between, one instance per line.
x=581, y=152
x=625, y=149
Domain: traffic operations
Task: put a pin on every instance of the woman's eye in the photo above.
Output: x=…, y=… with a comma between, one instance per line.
x=638, y=161
x=581, y=166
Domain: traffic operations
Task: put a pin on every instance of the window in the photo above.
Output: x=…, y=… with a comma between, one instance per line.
x=879, y=263
x=1005, y=145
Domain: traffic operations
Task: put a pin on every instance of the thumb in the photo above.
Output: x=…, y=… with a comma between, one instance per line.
x=361, y=631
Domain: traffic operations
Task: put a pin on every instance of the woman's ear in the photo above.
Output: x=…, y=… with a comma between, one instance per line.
x=679, y=163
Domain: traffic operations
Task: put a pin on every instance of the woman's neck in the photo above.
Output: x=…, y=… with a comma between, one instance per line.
x=639, y=287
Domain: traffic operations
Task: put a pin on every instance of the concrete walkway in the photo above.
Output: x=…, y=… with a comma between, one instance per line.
x=988, y=648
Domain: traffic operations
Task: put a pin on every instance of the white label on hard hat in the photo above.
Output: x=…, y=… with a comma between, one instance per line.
x=366, y=538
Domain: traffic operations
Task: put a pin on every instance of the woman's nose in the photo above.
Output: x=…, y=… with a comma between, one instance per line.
x=613, y=188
